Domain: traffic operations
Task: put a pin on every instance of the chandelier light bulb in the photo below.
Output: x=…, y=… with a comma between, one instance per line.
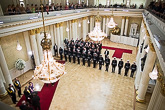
x=19, y=47
x=111, y=23
x=67, y=29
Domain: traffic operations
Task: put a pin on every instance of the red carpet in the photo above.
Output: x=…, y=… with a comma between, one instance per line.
x=118, y=51
x=46, y=95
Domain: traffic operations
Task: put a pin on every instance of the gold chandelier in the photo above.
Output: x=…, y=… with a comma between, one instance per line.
x=97, y=34
x=111, y=23
x=49, y=71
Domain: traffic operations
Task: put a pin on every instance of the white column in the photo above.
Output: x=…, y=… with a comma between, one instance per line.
x=70, y=30
x=55, y=34
x=52, y=38
x=104, y=25
x=107, y=29
x=160, y=103
x=154, y=96
x=73, y=29
x=58, y=35
x=79, y=30
x=91, y=19
x=40, y=51
x=126, y=27
x=122, y=26
x=76, y=30
x=5, y=69
x=2, y=81
x=84, y=28
x=149, y=64
x=34, y=47
x=87, y=25
x=61, y=36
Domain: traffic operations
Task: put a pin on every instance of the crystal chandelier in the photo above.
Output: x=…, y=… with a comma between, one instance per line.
x=49, y=71
x=97, y=34
x=111, y=23
x=19, y=47
x=154, y=74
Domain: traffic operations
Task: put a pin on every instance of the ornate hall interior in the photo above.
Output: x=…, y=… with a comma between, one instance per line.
x=82, y=54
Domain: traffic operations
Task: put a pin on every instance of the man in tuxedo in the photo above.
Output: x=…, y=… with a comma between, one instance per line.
x=27, y=94
x=78, y=56
x=94, y=60
x=83, y=58
x=36, y=102
x=11, y=91
x=55, y=49
x=65, y=54
x=127, y=67
x=61, y=52
x=120, y=65
x=107, y=62
x=74, y=55
x=114, y=64
x=69, y=54
x=17, y=85
x=89, y=59
x=101, y=62
x=133, y=69
x=106, y=53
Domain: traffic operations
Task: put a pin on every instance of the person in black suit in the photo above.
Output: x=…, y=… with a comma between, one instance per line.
x=27, y=94
x=65, y=53
x=69, y=54
x=106, y=53
x=114, y=64
x=94, y=60
x=78, y=56
x=84, y=58
x=107, y=62
x=127, y=67
x=74, y=55
x=120, y=65
x=61, y=52
x=36, y=102
x=55, y=49
x=133, y=69
x=101, y=62
x=23, y=106
x=89, y=59
x=17, y=85
x=11, y=91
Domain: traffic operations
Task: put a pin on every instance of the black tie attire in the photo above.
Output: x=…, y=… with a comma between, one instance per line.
x=74, y=56
x=94, y=61
x=106, y=53
x=55, y=49
x=107, y=62
x=101, y=62
x=83, y=58
x=120, y=66
x=89, y=59
x=11, y=91
x=127, y=67
x=133, y=69
x=78, y=56
x=61, y=52
x=18, y=87
x=114, y=64
x=65, y=54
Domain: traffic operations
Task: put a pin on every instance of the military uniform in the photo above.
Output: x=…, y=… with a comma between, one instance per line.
x=127, y=67
x=83, y=58
x=78, y=56
x=106, y=53
x=89, y=59
x=55, y=49
x=74, y=56
x=65, y=54
x=69, y=54
x=120, y=66
x=61, y=52
x=133, y=69
x=114, y=64
x=107, y=62
x=101, y=62
x=94, y=60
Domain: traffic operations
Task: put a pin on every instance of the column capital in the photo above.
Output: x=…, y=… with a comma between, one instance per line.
x=123, y=17
x=161, y=79
x=72, y=21
x=127, y=17
x=57, y=25
x=33, y=32
x=38, y=30
x=75, y=20
x=84, y=18
x=104, y=16
x=61, y=24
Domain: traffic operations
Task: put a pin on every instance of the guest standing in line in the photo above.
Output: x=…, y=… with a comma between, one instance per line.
x=106, y=53
x=114, y=64
x=11, y=91
x=133, y=69
x=55, y=49
x=31, y=88
x=36, y=102
x=107, y=62
x=101, y=62
x=65, y=54
x=120, y=65
x=17, y=85
x=89, y=59
x=127, y=67
x=27, y=94
x=61, y=52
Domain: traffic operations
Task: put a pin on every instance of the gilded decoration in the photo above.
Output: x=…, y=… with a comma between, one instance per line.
x=38, y=30
x=32, y=32
x=98, y=18
x=61, y=24
x=57, y=25
x=123, y=17
x=116, y=30
x=151, y=45
x=161, y=79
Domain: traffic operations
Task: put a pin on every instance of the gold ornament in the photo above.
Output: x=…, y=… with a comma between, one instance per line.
x=116, y=30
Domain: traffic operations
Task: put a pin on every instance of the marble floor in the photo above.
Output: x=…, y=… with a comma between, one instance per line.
x=88, y=88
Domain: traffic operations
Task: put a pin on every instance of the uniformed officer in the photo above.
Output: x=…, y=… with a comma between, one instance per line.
x=94, y=60
x=101, y=62
x=84, y=58
x=61, y=52
x=133, y=69
x=69, y=54
x=114, y=64
x=17, y=85
x=89, y=59
x=74, y=55
x=55, y=50
x=11, y=91
x=78, y=57
x=127, y=67
x=107, y=62
x=65, y=53
x=120, y=65
x=106, y=53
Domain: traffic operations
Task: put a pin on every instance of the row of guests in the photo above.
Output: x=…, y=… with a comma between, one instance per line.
x=30, y=95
